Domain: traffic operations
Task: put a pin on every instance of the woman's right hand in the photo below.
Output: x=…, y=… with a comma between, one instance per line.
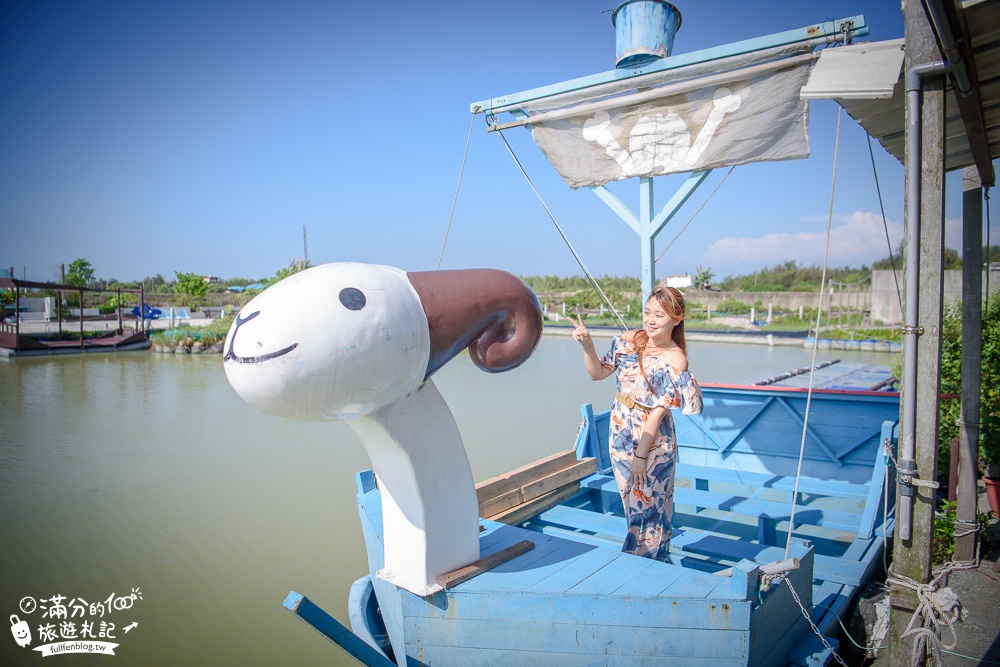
x=580, y=333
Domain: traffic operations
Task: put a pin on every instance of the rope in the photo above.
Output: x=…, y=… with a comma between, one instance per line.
x=939, y=607
x=819, y=316
x=454, y=201
x=885, y=224
x=695, y=213
x=576, y=255
x=809, y=391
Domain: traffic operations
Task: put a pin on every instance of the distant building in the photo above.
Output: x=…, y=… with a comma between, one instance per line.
x=679, y=282
x=211, y=280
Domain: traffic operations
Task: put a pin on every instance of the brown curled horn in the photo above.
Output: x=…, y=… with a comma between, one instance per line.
x=491, y=312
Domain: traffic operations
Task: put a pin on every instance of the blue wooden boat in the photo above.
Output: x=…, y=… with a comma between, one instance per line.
x=782, y=507
x=570, y=597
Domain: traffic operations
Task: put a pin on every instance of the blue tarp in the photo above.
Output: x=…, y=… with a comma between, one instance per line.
x=149, y=313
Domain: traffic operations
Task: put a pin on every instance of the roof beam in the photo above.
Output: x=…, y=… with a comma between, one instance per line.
x=971, y=105
x=828, y=31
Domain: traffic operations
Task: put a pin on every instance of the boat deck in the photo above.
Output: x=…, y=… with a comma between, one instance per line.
x=12, y=345
x=653, y=610
x=575, y=598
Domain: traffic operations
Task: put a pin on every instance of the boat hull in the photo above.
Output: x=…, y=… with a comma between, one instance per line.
x=565, y=602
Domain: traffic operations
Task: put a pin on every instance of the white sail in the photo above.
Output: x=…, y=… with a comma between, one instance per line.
x=680, y=124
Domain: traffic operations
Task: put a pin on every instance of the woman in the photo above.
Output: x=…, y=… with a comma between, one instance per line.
x=652, y=378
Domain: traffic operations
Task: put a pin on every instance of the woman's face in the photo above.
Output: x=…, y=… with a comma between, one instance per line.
x=655, y=319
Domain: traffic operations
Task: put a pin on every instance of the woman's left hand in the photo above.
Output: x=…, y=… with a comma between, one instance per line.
x=638, y=472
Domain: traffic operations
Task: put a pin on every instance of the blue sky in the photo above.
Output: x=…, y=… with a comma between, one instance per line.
x=154, y=137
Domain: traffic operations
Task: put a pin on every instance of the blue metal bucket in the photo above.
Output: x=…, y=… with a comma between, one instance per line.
x=644, y=31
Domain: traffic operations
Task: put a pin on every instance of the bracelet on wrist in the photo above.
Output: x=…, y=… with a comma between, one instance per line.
x=636, y=456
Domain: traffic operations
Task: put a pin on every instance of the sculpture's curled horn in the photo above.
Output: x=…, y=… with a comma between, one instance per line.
x=491, y=312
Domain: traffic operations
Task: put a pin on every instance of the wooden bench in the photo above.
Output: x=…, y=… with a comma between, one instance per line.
x=609, y=530
x=684, y=496
x=701, y=475
x=515, y=496
x=742, y=497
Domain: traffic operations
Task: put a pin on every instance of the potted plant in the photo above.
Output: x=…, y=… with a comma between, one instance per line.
x=989, y=410
x=991, y=479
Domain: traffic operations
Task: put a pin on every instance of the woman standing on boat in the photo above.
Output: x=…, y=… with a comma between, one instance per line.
x=652, y=378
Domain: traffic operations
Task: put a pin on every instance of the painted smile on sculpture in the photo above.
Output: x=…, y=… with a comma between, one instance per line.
x=231, y=356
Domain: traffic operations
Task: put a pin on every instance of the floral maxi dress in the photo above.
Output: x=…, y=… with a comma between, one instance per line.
x=649, y=510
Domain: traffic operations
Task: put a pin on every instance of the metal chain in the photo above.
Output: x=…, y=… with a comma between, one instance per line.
x=808, y=618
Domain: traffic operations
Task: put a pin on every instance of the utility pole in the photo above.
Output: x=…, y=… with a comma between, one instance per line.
x=305, y=246
x=966, y=535
x=922, y=282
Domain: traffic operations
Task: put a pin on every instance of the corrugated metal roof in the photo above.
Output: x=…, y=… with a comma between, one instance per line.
x=861, y=71
x=884, y=118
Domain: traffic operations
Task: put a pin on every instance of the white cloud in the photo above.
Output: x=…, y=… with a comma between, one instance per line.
x=856, y=239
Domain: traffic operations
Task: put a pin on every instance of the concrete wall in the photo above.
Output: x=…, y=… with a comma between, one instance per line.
x=886, y=302
x=787, y=301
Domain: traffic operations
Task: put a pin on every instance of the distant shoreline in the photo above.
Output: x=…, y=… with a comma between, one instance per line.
x=771, y=339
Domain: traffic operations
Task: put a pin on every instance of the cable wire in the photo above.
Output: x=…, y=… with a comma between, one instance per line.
x=454, y=201
x=576, y=255
x=885, y=224
x=695, y=214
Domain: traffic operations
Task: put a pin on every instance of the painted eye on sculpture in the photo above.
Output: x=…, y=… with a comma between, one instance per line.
x=352, y=298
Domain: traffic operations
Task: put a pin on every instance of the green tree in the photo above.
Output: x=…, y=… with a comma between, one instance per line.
x=951, y=383
x=952, y=260
x=80, y=273
x=703, y=277
x=192, y=285
x=294, y=266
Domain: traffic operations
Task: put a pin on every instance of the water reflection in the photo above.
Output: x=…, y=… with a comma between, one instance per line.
x=146, y=470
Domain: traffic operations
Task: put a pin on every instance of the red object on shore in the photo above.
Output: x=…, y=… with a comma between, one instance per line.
x=993, y=494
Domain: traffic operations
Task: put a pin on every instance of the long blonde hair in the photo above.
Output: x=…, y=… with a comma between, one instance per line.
x=672, y=302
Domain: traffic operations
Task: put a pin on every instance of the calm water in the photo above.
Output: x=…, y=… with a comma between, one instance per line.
x=146, y=471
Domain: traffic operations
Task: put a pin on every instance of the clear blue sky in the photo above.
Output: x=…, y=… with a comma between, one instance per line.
x=200, y=136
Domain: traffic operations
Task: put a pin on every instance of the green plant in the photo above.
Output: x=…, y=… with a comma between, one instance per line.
x=80, y=273
x=294, y=266
x=192, y=285
x=733, y=306
x=951, y=383
x=944, y=531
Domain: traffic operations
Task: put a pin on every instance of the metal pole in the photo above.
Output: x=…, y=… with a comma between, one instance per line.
x=81, y=319
x=924, y=221
x=17, y=314
x=966, y=536
x=911, y=280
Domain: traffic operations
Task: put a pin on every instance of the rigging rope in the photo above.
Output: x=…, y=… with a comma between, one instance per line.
x=885, y=224
x=809, y=391
x=819, y=316
x=695, y=213
x=576, y=255
x=454, y=201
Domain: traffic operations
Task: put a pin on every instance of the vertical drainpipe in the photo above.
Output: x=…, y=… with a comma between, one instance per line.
x=907, y=445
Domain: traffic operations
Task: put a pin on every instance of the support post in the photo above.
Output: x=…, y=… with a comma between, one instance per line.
x=924, y=223
x=17, y=314
x=648, y=276
x=972, y=340
x=81, y=319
